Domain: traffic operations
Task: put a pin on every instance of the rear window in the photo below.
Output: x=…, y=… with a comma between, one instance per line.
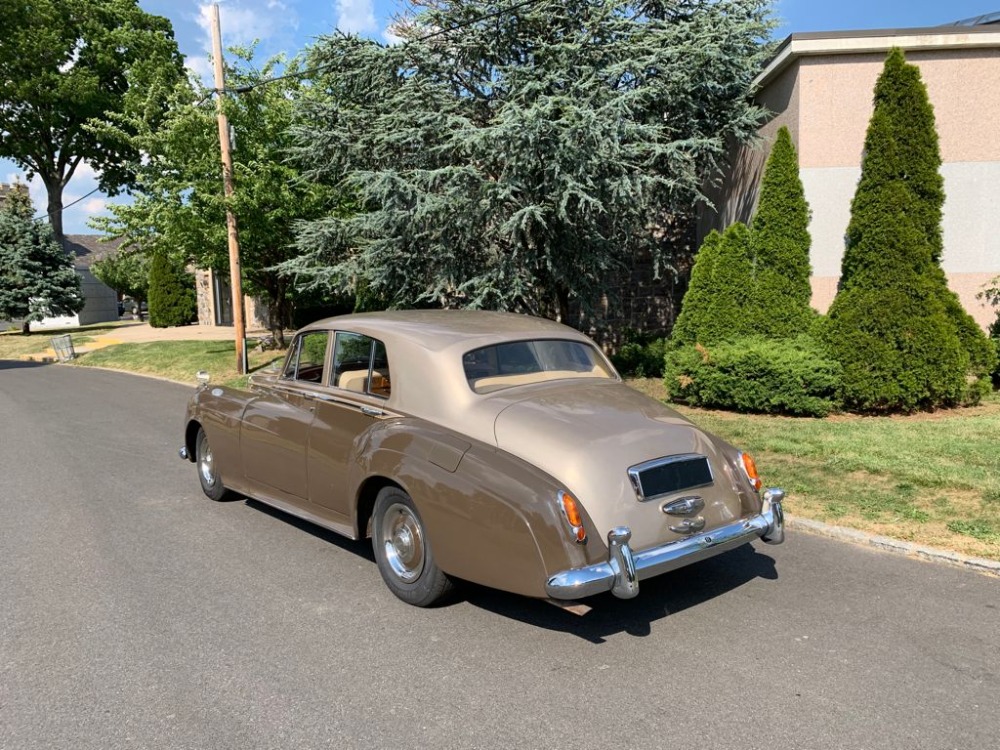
x=522, y=362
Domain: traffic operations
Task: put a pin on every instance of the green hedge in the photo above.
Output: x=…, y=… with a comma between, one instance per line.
x=753, y=374
x=641, y=359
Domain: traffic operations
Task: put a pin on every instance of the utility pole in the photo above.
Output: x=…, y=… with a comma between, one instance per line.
x=227, y=184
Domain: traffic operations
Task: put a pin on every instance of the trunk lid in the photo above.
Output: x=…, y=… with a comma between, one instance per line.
x=588, y=436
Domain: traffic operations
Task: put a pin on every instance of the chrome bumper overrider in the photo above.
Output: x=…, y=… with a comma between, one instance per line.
x=624, y=569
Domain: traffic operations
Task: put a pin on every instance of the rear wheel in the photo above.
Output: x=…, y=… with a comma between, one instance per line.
x=402, y=552
x=208, y=472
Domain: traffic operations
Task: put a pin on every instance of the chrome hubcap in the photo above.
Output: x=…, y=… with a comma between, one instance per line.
x=205, y=464
x=403, y=543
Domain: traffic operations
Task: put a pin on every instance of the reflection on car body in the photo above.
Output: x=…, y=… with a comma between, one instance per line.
x=496, y=448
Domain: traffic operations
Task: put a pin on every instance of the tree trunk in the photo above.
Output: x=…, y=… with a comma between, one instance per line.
x=26, y=328
x=562, y=300
x=54, y=190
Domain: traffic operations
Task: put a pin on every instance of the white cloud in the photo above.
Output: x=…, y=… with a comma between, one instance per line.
x=95, y=205
x=201, y=66
x=244, y=22
x=356, y=16
x=389, y=36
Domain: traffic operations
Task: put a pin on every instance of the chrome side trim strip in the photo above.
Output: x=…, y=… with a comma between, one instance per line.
x=624, y=569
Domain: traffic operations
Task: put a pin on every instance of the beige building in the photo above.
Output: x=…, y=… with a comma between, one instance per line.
x=215, y=302
x=820, y=86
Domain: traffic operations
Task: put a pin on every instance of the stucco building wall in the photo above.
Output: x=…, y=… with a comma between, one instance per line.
x=825, y=99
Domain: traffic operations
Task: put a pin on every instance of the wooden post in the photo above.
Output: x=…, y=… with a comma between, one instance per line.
x=227, y=184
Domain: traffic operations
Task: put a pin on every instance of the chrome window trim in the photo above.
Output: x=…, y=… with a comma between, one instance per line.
x=635, y=471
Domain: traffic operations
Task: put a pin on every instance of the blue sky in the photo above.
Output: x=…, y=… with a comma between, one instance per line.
x=290, y=25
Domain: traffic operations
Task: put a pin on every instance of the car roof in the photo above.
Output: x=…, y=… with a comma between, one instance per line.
x=442, y=329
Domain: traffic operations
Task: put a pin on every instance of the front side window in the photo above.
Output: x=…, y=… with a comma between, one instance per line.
x=521, y=362
x=360, y=364
x=308, y=355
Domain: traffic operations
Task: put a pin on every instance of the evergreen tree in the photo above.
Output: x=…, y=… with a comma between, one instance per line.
x=515, y=160
x=730, y=308
x=171, y=294
x=893, y=325
x=693, y=317
x=718, y=305
x=780, y=241
x=37, y=279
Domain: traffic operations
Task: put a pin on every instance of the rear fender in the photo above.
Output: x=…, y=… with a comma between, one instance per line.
x=490, y=518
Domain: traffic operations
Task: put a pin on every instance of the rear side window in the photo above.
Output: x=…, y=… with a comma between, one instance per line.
x=521, y=362
x=360, y=364
x=308, y=355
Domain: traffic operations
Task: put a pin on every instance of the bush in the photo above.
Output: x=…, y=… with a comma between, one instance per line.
x=753, y=374
x=172, y=298
x=641, y=359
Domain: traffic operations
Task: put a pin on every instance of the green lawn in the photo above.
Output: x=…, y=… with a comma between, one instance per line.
x=928, y=478
x=14, y=344
x=178, y=360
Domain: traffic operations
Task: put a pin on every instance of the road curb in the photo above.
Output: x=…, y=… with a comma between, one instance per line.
x=896, y=546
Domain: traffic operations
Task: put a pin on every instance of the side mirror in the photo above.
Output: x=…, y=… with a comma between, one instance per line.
x=202, y=377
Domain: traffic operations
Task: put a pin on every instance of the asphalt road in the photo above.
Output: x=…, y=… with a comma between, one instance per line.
x=135, y=613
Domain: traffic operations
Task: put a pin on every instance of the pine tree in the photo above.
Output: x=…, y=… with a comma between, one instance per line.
x=37, y=279
x=893, y=325
x=694, y=309
x=171, y=294
x=729, y=309
x=780, y=242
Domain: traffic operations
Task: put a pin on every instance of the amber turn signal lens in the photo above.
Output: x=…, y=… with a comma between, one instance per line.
x=571, y=512
x=750, y=467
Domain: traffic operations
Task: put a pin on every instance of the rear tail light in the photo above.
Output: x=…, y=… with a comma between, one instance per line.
x=750, y=469
x=571, y=513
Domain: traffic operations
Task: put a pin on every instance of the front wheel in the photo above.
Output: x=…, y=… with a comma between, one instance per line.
x=402, y=552
x=208, y=472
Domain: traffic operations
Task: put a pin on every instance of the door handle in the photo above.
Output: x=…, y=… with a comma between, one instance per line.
x=371, y=411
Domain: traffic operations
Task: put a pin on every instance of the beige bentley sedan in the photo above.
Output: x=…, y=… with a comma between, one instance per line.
x=495, y=448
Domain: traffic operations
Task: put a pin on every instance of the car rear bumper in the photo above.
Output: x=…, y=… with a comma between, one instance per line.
x=624, y=569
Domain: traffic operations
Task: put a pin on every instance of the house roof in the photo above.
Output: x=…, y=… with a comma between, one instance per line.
x=86, y=248
x=960, y=35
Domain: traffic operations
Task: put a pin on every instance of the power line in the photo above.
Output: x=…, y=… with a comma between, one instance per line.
x=440, y=32
x=320, y=68
x=69, y=205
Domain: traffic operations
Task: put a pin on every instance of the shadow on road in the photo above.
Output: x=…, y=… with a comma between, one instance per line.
x=19, y=364
x=361, y=547
x=658, y=598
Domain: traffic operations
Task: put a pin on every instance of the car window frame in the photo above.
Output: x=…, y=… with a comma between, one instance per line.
x=294, y=356
x=373, y=342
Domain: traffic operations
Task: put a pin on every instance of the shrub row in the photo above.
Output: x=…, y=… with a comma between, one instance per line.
x=754, y=374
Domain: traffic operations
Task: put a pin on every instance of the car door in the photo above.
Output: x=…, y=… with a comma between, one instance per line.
x=359, y=386
x=275, y=432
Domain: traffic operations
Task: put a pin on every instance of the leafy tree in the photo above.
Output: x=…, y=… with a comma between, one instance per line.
x=66, y=65
x=895, y=327
x=37, y=279
x=126, y=272
x=513, y=161
x=780, y=241
x=179, y=207
x=171, y=294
